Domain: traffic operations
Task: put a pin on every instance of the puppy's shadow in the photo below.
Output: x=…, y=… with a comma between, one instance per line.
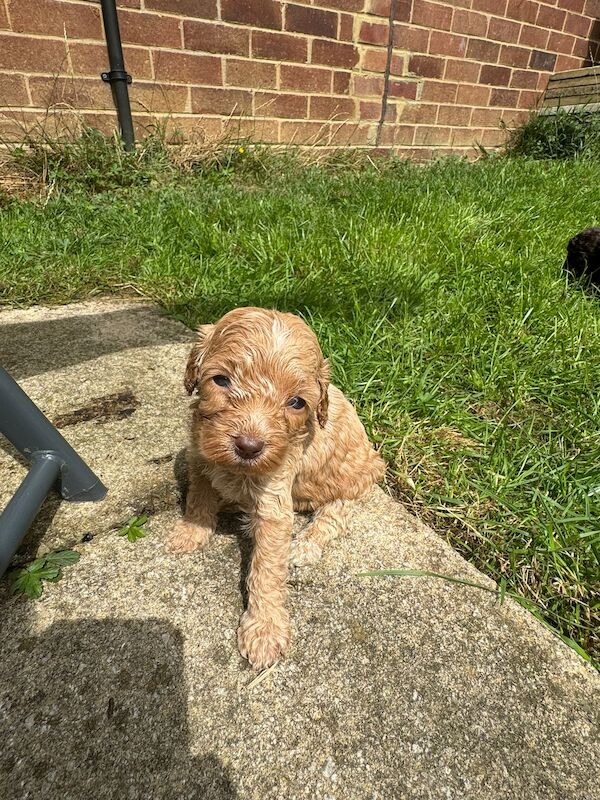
x=229, y=524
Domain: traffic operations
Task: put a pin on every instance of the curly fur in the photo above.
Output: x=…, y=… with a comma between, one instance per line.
x=315, y=458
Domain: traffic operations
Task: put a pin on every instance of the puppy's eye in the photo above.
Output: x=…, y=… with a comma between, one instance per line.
x=297, y=403
x=222, y=380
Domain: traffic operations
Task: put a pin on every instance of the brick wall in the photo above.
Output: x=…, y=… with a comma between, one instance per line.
x=418, y=76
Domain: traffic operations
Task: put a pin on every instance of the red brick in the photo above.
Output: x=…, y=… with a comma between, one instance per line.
x=304, y=19
x=305, y=79
x=279, y=47
x=4, y=26
x=13, y=91
x=374, y=33
x=439, y=92
x=156, y=98
x=447, y=44
x=453, y=115
x=490, y=6
x=523, y=10
x=374, y=60
x=276, y=104
x=553, y=18
x=486, y=117
x=404, y=134
x=405, y=89
x=583, y=49
x=397, y=65
x=48, y=56
x=335, y=54
x=432, y=134
x=472, y=95
x=149, y=29
x=504, y=97
x=403, y=10
x=461, y=137
x=207, y=9
x=369, y=109
x=252, y=74
x=259, y=130
x=564, y=63
x=534, y=37
x=576, y=5
x=80, y=93
x=187, y=68
x=561, y=43
x=91, y=59
x=528, y=99
x=514, y=56
x=210, y=38
x=577, y=25
x=426, y=66
x=415, y=40
x=463, y=71
x=352, y=134
x=342, y=5
x=494, y=76
x=326, y=108
x=308, y=133
x=503, y=30
x=346, y=32
x=379, y=8
x=258, y=13
x=542, y=60
x=423, y=113
x=341, y=82
x=368, y=86
x=431, y=15
x=524, y=79
x=221, y=101
x=592, y=8
x=469, y=22
x=52, y=18
x=482, y=50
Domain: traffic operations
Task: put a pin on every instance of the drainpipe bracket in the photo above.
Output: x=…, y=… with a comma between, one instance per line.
x=116, y=75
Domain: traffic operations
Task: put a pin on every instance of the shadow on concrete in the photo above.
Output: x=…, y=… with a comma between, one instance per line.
x=98, y=708
x=32, y=348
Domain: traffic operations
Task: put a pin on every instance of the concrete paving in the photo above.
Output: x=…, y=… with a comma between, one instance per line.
x=124, y=679
x=109, y=374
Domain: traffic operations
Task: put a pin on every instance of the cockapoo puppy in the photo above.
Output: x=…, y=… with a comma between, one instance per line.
x=269, y=435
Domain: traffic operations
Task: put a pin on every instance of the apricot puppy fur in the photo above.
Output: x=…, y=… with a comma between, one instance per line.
x=269, y=435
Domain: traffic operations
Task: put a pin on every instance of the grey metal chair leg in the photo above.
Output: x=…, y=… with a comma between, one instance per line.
x=52, y=459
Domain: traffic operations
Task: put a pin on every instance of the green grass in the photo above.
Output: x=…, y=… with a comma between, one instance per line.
x=437, y=293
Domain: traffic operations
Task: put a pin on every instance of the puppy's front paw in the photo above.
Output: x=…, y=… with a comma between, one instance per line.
x=187, y=537
x=263, y=641
x=304, y=552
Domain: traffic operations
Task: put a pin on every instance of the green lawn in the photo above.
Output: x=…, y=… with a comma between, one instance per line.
x=438, y=295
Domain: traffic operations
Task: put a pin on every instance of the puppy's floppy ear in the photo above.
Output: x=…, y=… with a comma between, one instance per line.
x=194, y=364
x=323, y=405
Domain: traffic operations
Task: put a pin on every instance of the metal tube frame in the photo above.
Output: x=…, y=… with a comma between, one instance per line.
x=52, y=462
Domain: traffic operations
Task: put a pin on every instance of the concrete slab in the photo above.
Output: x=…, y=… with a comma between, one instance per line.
x=125, y=681
x=109, y=373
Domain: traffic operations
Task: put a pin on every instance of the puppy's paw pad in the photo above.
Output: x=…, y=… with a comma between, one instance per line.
x=187, y=537
x=262, y=642
x=304, y=553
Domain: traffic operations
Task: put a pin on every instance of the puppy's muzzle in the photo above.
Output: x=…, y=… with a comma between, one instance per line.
x=248, y=447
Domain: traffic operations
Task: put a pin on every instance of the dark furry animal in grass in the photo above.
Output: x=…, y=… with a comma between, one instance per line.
x=583, y=256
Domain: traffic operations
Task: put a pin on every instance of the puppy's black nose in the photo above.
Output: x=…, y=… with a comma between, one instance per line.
x=248, y=446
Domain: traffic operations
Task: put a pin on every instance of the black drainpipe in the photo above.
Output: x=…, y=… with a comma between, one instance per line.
x=117, y=77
